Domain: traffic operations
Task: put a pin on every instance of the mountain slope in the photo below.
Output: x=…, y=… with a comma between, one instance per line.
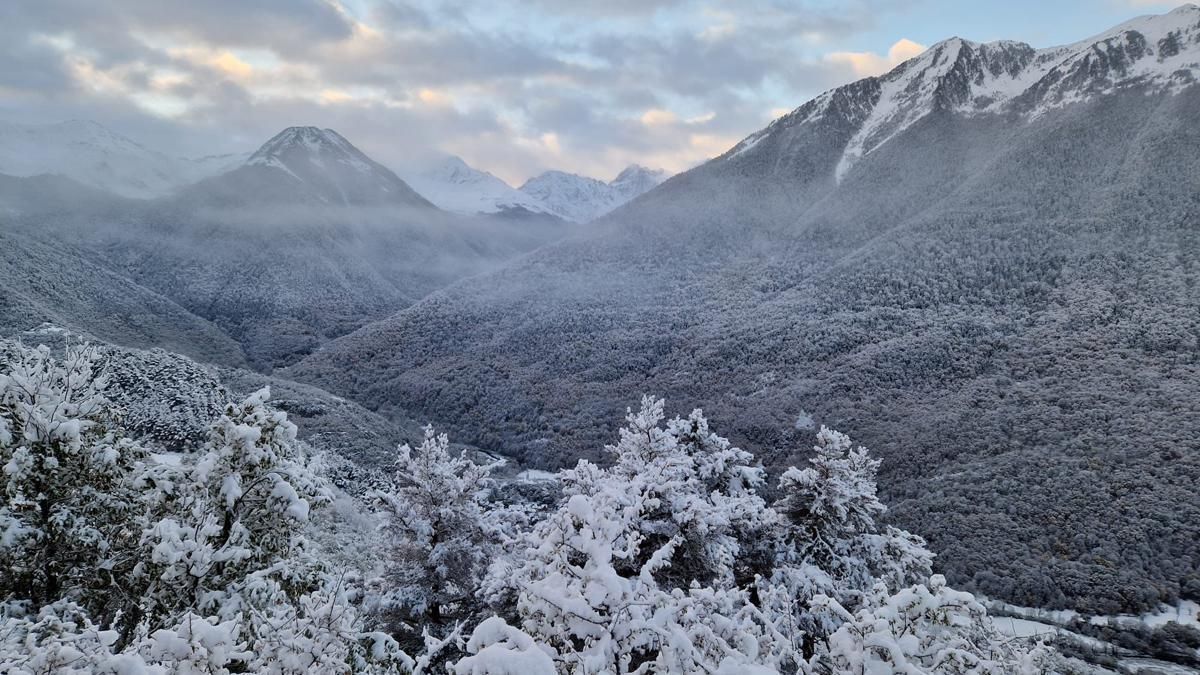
x=100, y=158
x=982, y=265
x=307, y=165
x=44, y=280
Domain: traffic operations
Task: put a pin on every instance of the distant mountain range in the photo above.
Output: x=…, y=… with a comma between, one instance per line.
x=301, y=165
x=454, y=185
x=304, y=240
x=98, y=157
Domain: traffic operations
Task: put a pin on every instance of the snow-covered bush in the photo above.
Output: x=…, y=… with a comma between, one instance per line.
x=927, y=628
x=70, y=507
x=117, y=560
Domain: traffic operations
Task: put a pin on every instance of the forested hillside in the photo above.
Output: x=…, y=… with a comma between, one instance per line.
x=1009, y=293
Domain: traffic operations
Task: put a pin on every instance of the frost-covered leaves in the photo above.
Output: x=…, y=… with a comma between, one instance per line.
x=923, y=629
x=117, y=560
x=69, y=498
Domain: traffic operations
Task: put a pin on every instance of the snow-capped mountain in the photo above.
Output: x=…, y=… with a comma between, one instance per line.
x=636, y=180
x=454, y=185
x=309, y=165
x=98, y=157
x=581, y=199
x=1158, y=52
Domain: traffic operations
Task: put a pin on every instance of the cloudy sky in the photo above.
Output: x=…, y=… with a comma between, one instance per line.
x=513, y=87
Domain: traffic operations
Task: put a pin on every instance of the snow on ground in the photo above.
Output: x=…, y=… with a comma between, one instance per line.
x=1157, y=667
x=1028, y=628
x=1187, y=613
x=534, y=475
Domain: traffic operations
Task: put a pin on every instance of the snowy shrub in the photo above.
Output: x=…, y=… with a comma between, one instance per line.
x=923, y=629
x=116, y=562
x=70, y=508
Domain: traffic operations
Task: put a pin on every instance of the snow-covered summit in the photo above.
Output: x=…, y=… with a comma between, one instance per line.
x=1159, y=52
x=635, y=179
x=571, y=196
x=310, y=144
x=456, y=186
x=581, y=199
x=312, y=165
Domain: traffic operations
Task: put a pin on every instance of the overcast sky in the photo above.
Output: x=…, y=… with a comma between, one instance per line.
x=512, y=87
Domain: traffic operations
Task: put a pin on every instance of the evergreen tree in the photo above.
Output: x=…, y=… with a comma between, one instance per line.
x=440, y=534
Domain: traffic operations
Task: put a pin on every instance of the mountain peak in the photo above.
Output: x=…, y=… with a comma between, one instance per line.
x=307, y=164
x=453, y=185
x=637, y=170
x=581, y=199
x=1156, y=52
x=313, y=143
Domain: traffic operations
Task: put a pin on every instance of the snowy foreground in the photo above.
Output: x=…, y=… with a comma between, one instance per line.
x=233, y=555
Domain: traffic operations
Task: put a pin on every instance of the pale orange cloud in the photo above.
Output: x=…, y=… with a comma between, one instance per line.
x=866, y=64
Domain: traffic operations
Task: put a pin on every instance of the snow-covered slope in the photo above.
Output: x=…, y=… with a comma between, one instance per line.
x=454, y=185
x=308, y=165
x=581, y=199
x=98, y=157
x=636, y=180
x=1158, y=52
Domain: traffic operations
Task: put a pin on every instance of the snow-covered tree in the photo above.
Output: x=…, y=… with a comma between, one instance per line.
x=70, y=507
x=239, y=511
x=637, y=569
x=832, y=543
x=698, y=489
x=440, y=534
x=831, y=511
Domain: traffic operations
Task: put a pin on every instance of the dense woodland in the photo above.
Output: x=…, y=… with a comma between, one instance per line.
x=158, y=551
x=1016, y=332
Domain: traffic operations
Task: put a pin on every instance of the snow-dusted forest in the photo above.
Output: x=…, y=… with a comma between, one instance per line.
x=229, y=553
